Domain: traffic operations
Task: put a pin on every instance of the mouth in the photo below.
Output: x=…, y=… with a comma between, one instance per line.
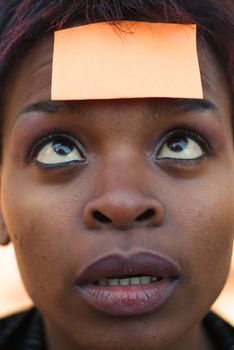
x=127, y=281
x=132, y=285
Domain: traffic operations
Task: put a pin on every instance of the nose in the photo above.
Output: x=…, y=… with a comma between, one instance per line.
x=123, y=210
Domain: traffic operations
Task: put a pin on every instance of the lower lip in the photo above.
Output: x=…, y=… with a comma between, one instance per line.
x=128, y=300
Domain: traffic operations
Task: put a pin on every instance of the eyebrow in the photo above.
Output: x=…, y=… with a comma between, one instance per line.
x=178, y=105
x=186, y=105
x=48, y=106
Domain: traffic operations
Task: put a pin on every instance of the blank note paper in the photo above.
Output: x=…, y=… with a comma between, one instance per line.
x=99, y=61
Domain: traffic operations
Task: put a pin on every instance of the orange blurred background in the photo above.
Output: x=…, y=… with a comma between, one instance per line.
x=13, y=296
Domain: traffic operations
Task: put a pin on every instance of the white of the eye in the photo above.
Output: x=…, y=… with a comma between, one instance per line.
x=47, y=155
x=192, y=151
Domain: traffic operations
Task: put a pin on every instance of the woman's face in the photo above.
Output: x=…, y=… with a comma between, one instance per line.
x=132, y=179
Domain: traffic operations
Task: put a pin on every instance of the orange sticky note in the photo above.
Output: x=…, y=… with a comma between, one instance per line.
x=97, y=61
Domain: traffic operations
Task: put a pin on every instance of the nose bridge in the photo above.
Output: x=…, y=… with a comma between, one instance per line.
x=123, y=171
x=123, y=167
x=123, y=198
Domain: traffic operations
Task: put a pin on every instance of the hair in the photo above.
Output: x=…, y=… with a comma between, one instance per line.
x=22, y=22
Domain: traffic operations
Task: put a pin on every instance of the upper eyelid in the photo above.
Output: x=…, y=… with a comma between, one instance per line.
x=192, y=133
x=45, y=139
x=49, y=136
x=189, y=132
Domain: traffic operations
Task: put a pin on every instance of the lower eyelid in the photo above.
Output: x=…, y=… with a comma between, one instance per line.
x=46, y=167
x=182, y=168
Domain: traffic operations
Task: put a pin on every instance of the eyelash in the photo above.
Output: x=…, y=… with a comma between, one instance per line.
x=37, y=146
x=183, y=131
x=178, y=131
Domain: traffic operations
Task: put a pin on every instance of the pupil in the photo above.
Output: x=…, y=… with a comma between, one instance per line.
x=62, y=149
x=177, y=143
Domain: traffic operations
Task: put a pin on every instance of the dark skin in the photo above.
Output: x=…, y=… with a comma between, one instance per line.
x=128, y=168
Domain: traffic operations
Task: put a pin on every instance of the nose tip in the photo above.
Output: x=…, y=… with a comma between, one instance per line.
x=122, y=211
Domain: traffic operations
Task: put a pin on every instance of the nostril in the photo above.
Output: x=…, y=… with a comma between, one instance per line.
x=146, y=215
x=101, y=217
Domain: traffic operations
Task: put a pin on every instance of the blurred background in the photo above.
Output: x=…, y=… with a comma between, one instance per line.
x=13, y=296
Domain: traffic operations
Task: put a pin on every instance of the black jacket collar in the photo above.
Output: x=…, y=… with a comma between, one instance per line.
x=24, y=331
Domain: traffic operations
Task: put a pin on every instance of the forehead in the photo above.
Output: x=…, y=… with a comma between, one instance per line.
x=35, y=71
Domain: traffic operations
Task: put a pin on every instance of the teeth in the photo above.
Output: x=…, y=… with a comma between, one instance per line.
x=103, y=282
x=113, y=282
x=145, y=279
x=124, y=281
x=127, y=281
x=135, y=280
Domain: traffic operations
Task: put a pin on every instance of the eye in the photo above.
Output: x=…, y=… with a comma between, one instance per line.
x=182, y=145
x=57, y=150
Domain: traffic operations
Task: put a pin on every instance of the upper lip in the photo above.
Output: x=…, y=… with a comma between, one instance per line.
x=117, y=265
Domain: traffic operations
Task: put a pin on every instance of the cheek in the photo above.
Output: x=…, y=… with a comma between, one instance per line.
x=205, y=232
x=42, y=228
